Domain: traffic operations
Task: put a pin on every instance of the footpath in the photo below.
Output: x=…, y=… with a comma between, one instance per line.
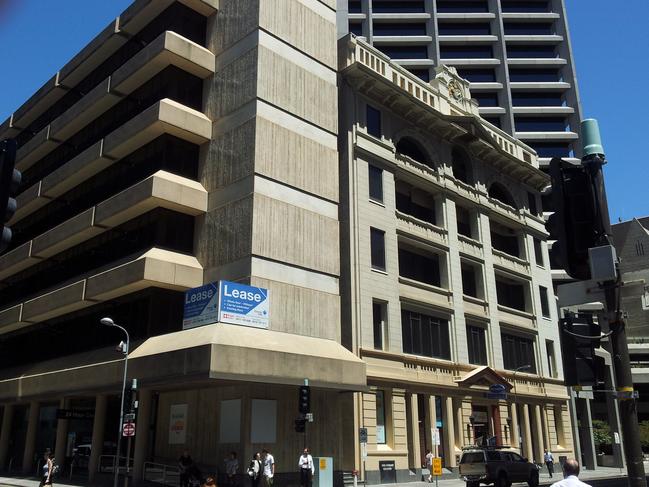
x=586, y=475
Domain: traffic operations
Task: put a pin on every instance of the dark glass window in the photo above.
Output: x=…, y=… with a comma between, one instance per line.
x=471, y=6
x=356, y=28
x=528, y=28
x=376, y=183
x=540, y=124
x=537, y=99
x=373, y=121
x=494, y=121
x=419, y=267
x=545, y=304
x=504, y=239
x=523, y=75
x=510, y=293
x=378, y=322
x=500, y=193
x=468, y=52
x=518, y=352
x=531, y=201
x=551, y=149
x=538, y=252
x=411, y=148
x=463, y=28
x=477, y=345
x=461, y=164
x=525, y=6
x=425, y=335
x=399, y=29
x=377, y=244
x=469, y=281
x=463, y=221
x=486, y=99
x=531, y=51
x=422, y=74
x=406, y=204
x=478, y=75
x=355, y=7
x=401, y=6
x=404, y=52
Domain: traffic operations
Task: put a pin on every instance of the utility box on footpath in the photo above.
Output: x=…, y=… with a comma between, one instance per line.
x=324, y=472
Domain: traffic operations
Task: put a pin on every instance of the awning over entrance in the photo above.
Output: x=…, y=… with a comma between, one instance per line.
x=228, y=352
x=483, y=376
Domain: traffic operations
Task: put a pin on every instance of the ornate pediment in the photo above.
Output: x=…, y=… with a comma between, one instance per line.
x=483, y=377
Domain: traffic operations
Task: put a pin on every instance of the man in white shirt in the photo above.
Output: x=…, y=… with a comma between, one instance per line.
x=269, y=468
x=570, y=472
x=305, y=464
x=549, y=461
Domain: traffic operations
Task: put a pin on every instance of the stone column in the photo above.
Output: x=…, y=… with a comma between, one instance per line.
x=498, y=430
x=431, y=423
x=30, y=438
x=514, y=433
x=144, y=399
x=538, y=434
x=527, y=433
x=546, y=428
x=5, y=433
x=459, y=424
x=414, y=448
x=98, y=427
x=61, y=435
x=449, y=433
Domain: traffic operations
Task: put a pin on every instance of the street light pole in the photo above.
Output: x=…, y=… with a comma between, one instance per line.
x=520, y=438
x=125, y=350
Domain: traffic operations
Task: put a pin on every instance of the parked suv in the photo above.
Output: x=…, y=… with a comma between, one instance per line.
x=496, y=466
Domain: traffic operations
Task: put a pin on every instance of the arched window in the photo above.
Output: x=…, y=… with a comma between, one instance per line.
x=461, y=164
x=408, y=146
x=500, y=193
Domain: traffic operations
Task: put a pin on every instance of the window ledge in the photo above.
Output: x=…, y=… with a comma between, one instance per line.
x=379, y=271
x=515, y=311
x=377, y=202
x=471, y=299
x=426, y=286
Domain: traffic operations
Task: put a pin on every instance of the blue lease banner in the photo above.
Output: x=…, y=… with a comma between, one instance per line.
x=240, y=304
x=201, y=306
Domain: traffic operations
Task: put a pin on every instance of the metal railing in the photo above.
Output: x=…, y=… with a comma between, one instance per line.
x=161, y=473
x=107, y=463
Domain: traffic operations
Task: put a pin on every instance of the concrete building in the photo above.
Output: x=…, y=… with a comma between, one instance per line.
x=396, y=230
x=445, y=272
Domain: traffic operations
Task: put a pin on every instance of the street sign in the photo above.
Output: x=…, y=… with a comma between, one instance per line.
x=362, y=435
x=75, y=414
x=437, y=466
x=129, y=417
x=435, y=435
x=128, y=429
x=240, y=304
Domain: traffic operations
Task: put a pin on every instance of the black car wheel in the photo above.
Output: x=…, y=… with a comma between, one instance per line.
x=534, y=479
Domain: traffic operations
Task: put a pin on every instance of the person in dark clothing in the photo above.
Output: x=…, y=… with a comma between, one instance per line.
x=188, y=469
x=255, y=470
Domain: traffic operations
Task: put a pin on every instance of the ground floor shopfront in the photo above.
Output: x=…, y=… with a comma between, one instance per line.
x=417, y=405
x=211, y=391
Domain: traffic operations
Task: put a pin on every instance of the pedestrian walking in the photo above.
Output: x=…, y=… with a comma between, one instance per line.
x=305, y=464
x=255, y=470
x=570, y=473
x=429, y=465
x=231, y=468
x=188, y=469
x=269, y=468
x=549, y=461
x=48, y=468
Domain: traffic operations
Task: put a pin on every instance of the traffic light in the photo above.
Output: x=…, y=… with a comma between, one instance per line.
x=300, y=425
x=304, y=400
x=580, y=337
x=130, y=397
x=9, y=183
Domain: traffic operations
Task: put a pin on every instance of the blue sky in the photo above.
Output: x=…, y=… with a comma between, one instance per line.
x=40, y=36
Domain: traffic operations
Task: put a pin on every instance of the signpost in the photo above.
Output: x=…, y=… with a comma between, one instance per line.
x=128, y=429
x=497, y=391
x=226, y=302
x=437, y=469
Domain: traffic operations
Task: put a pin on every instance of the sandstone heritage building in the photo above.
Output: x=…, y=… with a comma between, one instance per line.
x=398, y=232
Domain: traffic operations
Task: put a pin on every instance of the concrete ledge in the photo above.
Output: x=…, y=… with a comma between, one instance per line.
x=66, y=235
x=18, y=259
x=29, y=201
x=154, y=268
x=38, y=146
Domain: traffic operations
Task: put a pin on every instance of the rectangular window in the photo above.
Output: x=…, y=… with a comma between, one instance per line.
x=545, y=304
x=552, y=363
x=378, y=322
x=355, y=7
x=486, y=99
x=377, y=246
x=534, y=52
x=477, y=345
x=494, y=121
x=402, y=6
x=518, y=352
x=537, y=100
x=415, y=203
x=376, y=183
x=380, y=418
x=356, y=28
x=522, y=6
x=540, y=124
x=552, y=149
x=404, y=52
x=425, y=335
x=478, y=75
x=467, y=6
x=528, y=28
x=373, y=116
x=531, y=201
x=510, y=293
x=469, y=281
x=466, y=52
x=399, y=29
x=463, y=29
x=422, y=74
x=524, y=75
x=538, y=252
x=504, y=239
x=419, y=267
x=463, y=221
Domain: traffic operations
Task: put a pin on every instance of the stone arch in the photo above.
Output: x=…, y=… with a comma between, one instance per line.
x=501, y=193
x=411, y=147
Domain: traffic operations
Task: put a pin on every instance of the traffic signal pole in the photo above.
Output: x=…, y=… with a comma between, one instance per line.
x=593, y=161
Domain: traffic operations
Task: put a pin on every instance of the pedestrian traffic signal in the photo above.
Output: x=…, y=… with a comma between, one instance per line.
x=304, y=399
x=300, y=425
x=130, y=398
x=580, y=337
x=574, y=225
x=9, y=183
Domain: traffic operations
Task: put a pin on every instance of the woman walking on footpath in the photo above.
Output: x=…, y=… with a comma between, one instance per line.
x=48, y=468
x=254, y=470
